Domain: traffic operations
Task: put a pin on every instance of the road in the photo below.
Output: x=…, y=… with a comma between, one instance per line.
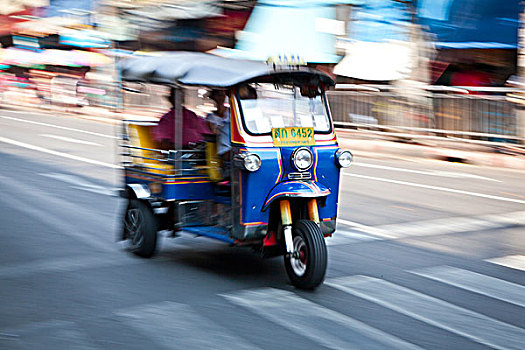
x=427, y=255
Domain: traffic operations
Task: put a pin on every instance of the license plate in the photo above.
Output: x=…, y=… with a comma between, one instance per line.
x=283, y=137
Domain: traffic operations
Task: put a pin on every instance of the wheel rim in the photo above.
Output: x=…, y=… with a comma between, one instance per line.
x=298, y=261
x=133, y=224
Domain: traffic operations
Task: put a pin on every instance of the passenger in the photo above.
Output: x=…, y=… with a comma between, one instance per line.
x=220, y=123
x=194, y=128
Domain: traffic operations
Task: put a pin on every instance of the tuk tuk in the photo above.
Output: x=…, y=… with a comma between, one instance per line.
x=276, y=188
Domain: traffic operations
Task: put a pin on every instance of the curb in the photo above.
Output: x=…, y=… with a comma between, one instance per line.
x=381, y=148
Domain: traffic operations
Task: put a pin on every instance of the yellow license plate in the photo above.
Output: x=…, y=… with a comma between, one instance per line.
x=283, y=137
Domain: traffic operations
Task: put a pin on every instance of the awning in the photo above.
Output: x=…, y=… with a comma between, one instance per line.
x=377, y=61
x=84, y=38
x=45, y=26
x=30, y=58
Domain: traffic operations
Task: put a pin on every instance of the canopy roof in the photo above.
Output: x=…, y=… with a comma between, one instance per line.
x=195, y=68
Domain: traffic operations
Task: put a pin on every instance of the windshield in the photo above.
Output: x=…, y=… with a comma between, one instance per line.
x=266, y=106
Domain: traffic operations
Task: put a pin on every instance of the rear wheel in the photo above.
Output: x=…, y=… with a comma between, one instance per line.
x=140, y=229
x=307, y=267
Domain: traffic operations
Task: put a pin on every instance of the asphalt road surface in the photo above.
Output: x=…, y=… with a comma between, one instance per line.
x=427, y=255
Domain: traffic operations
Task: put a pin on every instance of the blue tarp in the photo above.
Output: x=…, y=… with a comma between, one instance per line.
x=84, y=39
x=456, y=24
x=471, y=24
x=379, y=21
x=57, y=7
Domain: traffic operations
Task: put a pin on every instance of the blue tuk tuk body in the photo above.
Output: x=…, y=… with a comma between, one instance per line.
x=279, y=208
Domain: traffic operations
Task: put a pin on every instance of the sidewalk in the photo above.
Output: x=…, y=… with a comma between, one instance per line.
x=375, y=146
x=359, y=143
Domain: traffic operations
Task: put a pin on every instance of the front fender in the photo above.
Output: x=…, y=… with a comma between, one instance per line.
x=139, y=191
x=306, y=189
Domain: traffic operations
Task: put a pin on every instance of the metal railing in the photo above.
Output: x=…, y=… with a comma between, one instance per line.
x=478, y=114
x=181, y=162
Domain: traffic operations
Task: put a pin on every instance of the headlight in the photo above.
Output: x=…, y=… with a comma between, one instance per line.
x=344, y=158
x=302, y=158
x=252, y=162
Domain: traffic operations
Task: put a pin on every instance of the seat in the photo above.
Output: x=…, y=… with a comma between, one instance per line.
x=213, y=162
x=140, y=136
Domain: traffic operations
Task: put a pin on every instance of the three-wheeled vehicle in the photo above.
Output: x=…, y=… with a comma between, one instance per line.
x=276, y=189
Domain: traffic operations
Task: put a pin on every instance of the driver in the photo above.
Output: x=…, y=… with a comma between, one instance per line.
x=220, y=123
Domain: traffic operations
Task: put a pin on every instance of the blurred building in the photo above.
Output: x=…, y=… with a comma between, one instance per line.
x=48, y=50
x=378, y=45
x=476, y=38
x=13, y=12
x=167, y=25
x=471, y=42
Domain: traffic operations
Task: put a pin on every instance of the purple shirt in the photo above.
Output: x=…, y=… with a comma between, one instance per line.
x=194, y=127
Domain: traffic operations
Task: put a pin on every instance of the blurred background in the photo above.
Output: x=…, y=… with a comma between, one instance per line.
x=430, y=68
x=427, y=254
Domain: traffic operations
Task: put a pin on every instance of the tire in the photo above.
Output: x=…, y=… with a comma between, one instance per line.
x=307, y=271
x=140, y=229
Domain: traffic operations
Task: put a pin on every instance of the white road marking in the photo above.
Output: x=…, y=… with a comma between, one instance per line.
x=55, y=153
x=322, y=325
x=513, y=261
x=424, y=172
x=363, y=228
x=81, y=184
x=102, y=191
x=101, y=119
x=178, y=326
x=444, y=226
x=451, y=225
x=475, y=282
x=58, y=127
x=68, y=139
x=436, y=312
x=437, y=188
x=71, y=179
x=341, y=237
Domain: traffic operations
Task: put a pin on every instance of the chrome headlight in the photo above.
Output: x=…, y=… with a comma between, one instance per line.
x=344, y=158
x=302, y=158
x=252, y=162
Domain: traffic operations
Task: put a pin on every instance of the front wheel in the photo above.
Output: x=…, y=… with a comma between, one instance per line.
x=307, y=267
x=140, y=228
